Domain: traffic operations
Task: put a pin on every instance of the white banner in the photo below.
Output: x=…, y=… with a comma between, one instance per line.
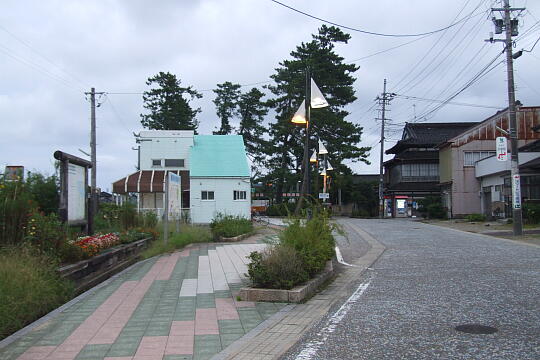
x=516, y=191
x=502, y=148
x=175, y=196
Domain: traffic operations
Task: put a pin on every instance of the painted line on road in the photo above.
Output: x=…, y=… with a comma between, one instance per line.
x=340, y=258
x=312, y=347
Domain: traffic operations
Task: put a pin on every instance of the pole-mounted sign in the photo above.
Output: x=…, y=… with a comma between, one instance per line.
x=516, y=191
x=502, y=148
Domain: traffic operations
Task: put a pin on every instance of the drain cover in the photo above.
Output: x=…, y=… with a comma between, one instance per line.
x=476, y=329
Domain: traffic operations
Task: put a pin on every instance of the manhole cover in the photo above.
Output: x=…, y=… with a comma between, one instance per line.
x=476, y=329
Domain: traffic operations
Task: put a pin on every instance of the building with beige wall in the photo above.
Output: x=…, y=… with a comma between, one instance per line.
x=460, y=189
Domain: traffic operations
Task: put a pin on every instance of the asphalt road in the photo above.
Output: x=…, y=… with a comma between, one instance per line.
x=428, y=281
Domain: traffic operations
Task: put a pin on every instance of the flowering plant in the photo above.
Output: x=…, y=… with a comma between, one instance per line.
x=92, y=245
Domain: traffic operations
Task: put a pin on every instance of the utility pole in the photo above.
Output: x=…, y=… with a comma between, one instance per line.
x=511, y=29
x=384, y=100
x=93, y=194
x=305, y=180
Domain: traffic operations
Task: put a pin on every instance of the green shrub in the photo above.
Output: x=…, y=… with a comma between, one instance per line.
x=16, y=206
x=69, y=253
x=278, y=267
x=45, y=191
x=360, y=213
x=531, y=213
x=29, y=287
x=45, y=232
x=313, y=241
x=230, y=225
x=476, y=218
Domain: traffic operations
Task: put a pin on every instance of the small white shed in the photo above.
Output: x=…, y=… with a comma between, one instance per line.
x=219, y=178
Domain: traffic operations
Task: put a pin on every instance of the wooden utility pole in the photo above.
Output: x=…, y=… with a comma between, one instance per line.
x=384, y=100
x=93, y=177
x=511, y=29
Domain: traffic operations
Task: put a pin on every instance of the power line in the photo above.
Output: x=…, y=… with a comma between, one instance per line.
x=447, y=102
x=371, y=32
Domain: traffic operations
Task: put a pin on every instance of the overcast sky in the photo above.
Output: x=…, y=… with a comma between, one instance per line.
x=51, y=52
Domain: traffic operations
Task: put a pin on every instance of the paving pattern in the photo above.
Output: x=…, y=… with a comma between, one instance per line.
x=177, y=306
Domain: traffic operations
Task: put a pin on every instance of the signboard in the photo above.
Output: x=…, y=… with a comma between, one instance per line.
x=76, y=192
x=14, y=173
x=516, y=191
x=502, y=148
x=175, y=196
x=324, y=196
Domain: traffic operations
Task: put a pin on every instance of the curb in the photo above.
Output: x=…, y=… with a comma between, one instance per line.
x=280, y=332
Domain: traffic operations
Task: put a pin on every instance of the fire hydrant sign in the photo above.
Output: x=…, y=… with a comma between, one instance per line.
x=516, y=191
x=502, y=149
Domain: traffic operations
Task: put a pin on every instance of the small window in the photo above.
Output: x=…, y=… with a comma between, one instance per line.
x=207, y=195
x=174, y=162
x=239, y=195
x=156, y=162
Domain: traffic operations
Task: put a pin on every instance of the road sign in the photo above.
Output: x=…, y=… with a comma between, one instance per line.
x=324, y=196
x=502, y=148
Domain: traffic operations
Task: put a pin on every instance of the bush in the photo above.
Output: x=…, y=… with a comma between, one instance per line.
x=431, y=207
x=313, y=241
x=16, y=207
x=278, y=267
x=531, y=213
x=45, y=232
x=230, y=226
x=45, y=191
x=29, y=287
x=360, y=213
x=476, y=217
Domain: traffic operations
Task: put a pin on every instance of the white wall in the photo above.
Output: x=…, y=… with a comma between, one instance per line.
x=162, y=144
x=203, y=211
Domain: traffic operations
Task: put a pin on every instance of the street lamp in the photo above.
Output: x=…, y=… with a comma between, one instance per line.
x=302, y=116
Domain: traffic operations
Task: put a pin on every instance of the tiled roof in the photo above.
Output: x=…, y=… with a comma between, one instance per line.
x=218, y=156
x=428, y=134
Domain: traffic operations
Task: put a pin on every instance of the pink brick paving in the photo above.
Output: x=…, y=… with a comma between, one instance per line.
x=206, y=322
x=226, y=310
x=215, y=271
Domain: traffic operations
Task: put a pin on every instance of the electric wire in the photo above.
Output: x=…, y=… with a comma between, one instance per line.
x=372, y=32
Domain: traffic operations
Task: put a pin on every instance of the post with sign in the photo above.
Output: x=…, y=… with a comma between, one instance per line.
x=172, y=206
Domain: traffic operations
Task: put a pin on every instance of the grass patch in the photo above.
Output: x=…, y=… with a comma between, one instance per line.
x=188, y=234
x=230, y=226
x=29, y=288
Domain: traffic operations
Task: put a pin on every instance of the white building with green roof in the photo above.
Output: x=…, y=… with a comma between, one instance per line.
x=214, y=171
x=219, y=177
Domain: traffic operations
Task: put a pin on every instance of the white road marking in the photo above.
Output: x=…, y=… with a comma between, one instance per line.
x=340, y=258
x=311, y=348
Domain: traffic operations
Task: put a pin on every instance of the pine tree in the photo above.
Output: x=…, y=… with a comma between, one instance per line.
x=168, y=104
x=334, y=78
x=226, y=103
x=252, y=110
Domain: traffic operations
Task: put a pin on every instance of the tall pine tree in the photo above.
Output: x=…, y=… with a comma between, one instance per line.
x=168, y=104
x=226, y=103
x=252, y=110
x=334, y=78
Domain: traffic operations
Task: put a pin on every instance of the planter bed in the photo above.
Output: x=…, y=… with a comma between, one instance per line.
x=88, y=273
x=295, y=295
x=233, y=239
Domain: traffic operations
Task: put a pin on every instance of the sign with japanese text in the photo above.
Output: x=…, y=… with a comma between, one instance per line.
x=516, y=191
x=502, y=148
x=175, y=196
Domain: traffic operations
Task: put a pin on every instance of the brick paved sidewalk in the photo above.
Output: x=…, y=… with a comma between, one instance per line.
x=177, y=306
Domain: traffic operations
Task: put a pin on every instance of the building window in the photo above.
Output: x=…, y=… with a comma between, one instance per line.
x=419, y=172
x=239, y=195
x=207, y=195
x=471, y=157
x=174, y=162
x=156, y=162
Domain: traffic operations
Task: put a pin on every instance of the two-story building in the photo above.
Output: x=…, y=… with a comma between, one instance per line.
x=413, y=173
x=461, y=189
x=214, y=173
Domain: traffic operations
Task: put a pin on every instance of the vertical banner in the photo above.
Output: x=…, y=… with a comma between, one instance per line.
x=502, y=148
x=175, y=196
x=516, y=192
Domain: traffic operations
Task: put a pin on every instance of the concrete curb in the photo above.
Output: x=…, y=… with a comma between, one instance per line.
x=281, y=331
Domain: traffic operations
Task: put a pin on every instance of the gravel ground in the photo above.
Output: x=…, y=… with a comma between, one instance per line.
x=430, y=280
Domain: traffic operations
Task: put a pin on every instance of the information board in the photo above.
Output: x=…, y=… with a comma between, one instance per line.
x=76, y=193
x=175, y=196
x=502, y=148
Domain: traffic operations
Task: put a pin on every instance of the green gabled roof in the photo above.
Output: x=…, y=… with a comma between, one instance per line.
x=218, y=156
